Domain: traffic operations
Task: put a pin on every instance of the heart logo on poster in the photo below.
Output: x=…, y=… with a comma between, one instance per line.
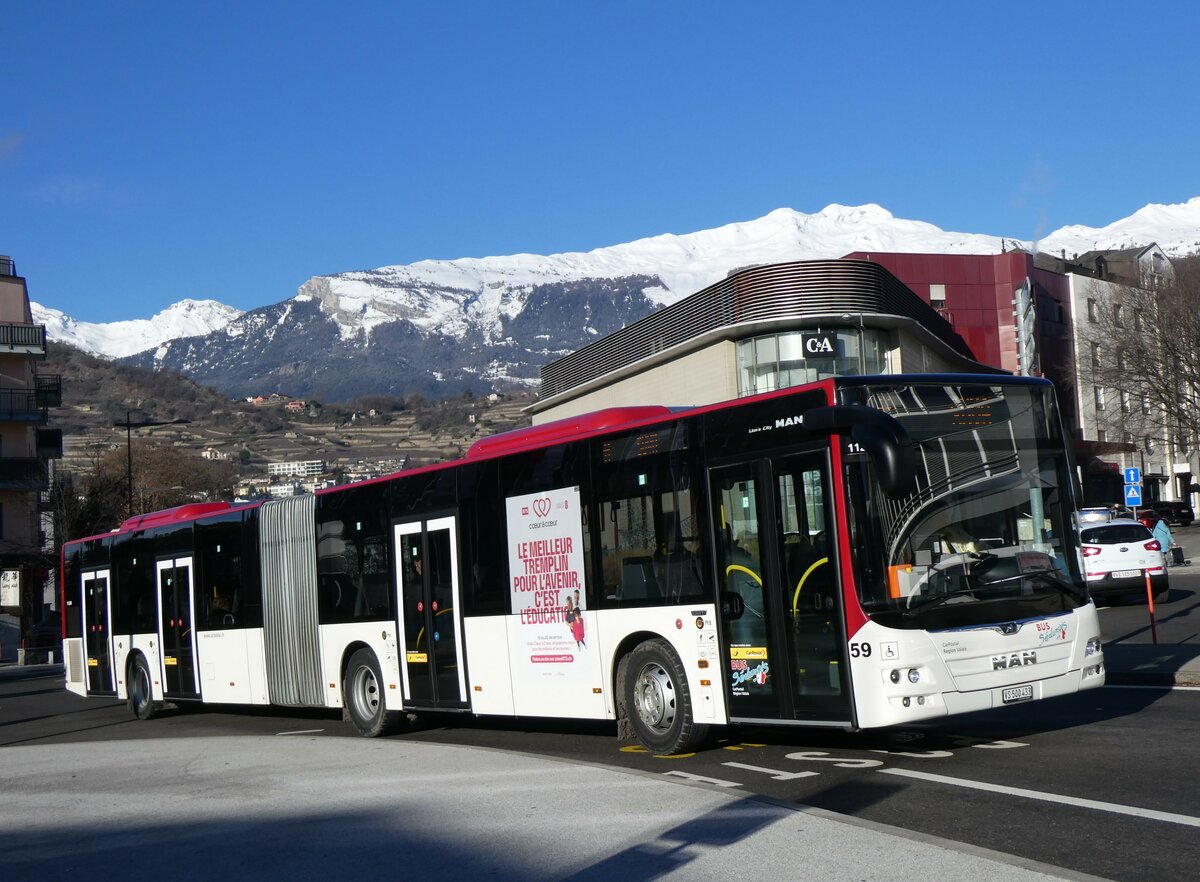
x=541, y=506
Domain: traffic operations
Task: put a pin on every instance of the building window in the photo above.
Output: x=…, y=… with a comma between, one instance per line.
x=1125, y=405
x=1095, y=356
x=1145, y=404
x=1099, y=395
x=778, y=361
x=1101, y=435
x=1120, y=359
x=937, y=296
x=1092, y=310
x=1137, y=319
x=1118, y=320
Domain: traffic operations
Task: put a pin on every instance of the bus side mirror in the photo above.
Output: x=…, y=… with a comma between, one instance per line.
x=887, y=443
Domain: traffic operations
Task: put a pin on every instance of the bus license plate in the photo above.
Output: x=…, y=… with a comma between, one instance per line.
x=1126, y=574
x=1017, y=693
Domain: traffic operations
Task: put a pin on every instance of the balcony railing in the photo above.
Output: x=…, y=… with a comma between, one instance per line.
x=48, y=389
x=28, y=339
x=23, y=474
x=20, y=405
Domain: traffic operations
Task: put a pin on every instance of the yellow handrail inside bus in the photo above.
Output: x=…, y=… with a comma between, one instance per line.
x=421, y=633
x=803, y=579
x=732, y=568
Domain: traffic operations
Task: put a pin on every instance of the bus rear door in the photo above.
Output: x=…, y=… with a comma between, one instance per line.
x=431, y=651
x=775, y=549
x=176, y=629
x=97, y=636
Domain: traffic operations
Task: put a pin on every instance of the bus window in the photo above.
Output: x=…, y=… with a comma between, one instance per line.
x=353, y=582
x=649, y=532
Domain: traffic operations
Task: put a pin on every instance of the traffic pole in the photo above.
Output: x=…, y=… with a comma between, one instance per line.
x=1150, y=604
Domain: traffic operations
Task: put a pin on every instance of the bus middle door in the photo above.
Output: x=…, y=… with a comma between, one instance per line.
x=775, y=549
x=97, y=636
x=431, y=651
x=177, y=633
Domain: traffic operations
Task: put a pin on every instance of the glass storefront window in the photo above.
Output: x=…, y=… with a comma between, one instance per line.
x=777, y=361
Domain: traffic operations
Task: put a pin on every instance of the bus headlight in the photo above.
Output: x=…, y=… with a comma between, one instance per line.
x=895, y=676
x=914, y=675
x=1092, y=647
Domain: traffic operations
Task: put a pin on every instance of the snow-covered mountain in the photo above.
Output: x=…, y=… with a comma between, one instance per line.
x=187, y=318
x=1176, y=229
x=440, y=326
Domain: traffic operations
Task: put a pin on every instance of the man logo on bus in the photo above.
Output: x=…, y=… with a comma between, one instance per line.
x=1014, y=660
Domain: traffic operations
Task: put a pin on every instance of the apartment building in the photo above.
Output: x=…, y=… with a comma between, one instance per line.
x=27, y=595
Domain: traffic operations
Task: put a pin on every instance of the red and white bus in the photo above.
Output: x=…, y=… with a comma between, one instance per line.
x=855, y=553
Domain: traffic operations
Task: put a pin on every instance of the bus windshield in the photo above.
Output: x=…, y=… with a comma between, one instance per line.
x=985, y=535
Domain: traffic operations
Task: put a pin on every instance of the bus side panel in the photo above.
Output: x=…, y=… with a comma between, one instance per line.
x=147, y=645
x=229, y=661
x=380, y=638
x=122, y=646
x=544, y=685
x=490, y=686
x=692, y=632
x=73, y=657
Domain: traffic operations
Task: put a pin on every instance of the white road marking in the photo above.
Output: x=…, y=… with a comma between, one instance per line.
x=1151, y=814
x=777, y=774
x=702, y=779
x=302, y=732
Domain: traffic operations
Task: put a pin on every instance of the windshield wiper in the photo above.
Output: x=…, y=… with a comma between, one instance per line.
x=1050, y=577
x=924, y=601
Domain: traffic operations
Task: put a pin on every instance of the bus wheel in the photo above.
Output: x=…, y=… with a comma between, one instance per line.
x=657, y=699
x=141, y=702
x=362, y=694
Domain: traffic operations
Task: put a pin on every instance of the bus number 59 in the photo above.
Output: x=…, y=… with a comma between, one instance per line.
x=860, y=650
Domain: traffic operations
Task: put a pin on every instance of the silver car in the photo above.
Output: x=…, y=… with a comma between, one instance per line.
x=1117, y=557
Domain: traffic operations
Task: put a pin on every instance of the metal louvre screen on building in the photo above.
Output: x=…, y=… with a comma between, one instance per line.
x=289, y=583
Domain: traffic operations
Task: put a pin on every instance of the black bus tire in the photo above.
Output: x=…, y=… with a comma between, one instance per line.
x=657, y=700
x=363, y=697
x=141, y=695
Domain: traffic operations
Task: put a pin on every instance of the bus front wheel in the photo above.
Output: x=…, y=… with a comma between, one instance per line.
x=362, y=694
x=657, y=700
x=141, y=697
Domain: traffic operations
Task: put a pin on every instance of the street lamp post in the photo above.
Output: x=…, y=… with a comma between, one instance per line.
x=129, y=425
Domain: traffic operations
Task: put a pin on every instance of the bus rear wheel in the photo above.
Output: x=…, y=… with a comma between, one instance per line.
x=141, y=696
x=362, y=694
x=657, y=700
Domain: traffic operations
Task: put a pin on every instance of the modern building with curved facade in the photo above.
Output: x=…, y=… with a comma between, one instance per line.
x=758, y=329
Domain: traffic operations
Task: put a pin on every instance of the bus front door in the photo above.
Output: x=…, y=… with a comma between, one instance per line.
x=431, y=651
x=783, y=633
x=97, y=639
x=177, y=634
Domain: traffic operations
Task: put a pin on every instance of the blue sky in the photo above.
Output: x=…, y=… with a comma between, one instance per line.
x=155, y=151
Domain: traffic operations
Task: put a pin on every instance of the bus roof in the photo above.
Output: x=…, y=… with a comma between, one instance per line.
x=569, y=427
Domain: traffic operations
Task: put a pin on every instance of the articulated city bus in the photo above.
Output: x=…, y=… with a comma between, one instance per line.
x=854, y=553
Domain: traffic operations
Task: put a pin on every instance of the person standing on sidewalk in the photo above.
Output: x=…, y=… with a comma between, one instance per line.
x=1165, y=540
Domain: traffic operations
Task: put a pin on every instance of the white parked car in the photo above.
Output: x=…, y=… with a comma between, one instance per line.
x=1117, y=555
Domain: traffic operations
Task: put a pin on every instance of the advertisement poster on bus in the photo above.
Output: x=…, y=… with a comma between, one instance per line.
x=546, y=567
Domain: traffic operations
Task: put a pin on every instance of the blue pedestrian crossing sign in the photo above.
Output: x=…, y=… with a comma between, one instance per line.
x=1133, y=495
x=1133, y=475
